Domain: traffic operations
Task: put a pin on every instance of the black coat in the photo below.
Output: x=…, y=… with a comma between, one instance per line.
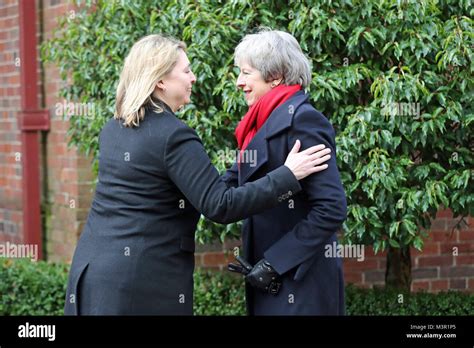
x=292, y=236
x=136, y=252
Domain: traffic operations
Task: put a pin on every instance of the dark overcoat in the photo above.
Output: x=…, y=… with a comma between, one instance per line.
x=135, y=255
x=293, y=235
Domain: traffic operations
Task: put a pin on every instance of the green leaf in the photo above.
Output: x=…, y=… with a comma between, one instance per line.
x=394, y=243
x=367, y=60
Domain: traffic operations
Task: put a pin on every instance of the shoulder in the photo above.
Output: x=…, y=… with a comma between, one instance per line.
x=156, y=129
x=164, y=119
x=306, y=115
x=171, y=129
x=166, y=125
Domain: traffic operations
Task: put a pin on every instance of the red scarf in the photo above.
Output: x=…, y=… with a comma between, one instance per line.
x=260, y=111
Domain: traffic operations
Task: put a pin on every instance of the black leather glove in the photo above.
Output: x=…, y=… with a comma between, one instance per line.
x=244, y=267
x=264, y=277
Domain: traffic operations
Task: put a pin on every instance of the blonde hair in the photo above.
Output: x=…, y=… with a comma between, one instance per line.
x=149, y=60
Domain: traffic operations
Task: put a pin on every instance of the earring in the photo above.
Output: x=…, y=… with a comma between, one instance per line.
x=273, y=85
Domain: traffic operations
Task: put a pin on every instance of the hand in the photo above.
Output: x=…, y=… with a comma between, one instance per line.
x=264, y=277
x=307, y=162
x=244, y=267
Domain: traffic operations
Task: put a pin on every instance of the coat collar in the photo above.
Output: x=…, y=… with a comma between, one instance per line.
x=280, y=119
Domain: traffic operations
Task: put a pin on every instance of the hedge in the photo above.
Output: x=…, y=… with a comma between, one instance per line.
x=38, y=288
x=394, y=77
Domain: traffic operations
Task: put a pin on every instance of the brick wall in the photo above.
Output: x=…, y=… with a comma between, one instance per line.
x=446, y=262
x=70, y=179
x=67, y=180
x=11, y=214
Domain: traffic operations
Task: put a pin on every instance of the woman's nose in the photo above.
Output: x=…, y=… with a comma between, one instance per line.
x=193, y=77
x=240, y=82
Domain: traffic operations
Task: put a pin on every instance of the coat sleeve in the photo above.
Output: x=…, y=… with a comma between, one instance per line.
x=324, y=193
x=191, y=170
x=231, y=176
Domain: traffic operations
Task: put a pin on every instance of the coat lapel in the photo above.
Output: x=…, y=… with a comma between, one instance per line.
x=256, y=149
x=280, y=119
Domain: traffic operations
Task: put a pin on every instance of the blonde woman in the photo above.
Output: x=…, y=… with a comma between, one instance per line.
x=135, y=255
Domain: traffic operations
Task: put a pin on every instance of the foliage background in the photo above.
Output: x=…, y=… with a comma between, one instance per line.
x=39, y=288
x=397, y=170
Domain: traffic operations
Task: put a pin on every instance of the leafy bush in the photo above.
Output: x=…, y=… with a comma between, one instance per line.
x=29, y=288
x=394, y=77
x=32, y=288
x=380, y=301
x=218, y=293
x=39, y=288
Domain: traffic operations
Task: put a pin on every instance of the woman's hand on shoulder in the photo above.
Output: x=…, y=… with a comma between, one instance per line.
x=308, y=161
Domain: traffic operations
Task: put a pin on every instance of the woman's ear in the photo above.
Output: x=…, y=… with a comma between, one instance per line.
x=276, y=82
x=161, y=85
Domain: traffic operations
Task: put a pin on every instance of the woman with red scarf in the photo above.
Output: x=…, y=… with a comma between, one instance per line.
x=286, y=244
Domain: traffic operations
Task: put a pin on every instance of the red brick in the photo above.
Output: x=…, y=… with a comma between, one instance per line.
x=59, y=249
x=68, y=175
x=437, y=285
x=16, y=184
x=417, y=285
x=441, y=260
x=353, y=277
x=438, y=225
x=60, y=149
x=86, y=162
x=353, y=264
x=470, y=284
x=198, y=260
x=374, y=276
x=456, y=271
x=457, y=283
x=441, y=236
x=446, y=213
x=466, y=235
x=214, y=259
x=56, y=235
x=382, y=263
x=8, y=22
x=464, y=259
x=425, y=273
